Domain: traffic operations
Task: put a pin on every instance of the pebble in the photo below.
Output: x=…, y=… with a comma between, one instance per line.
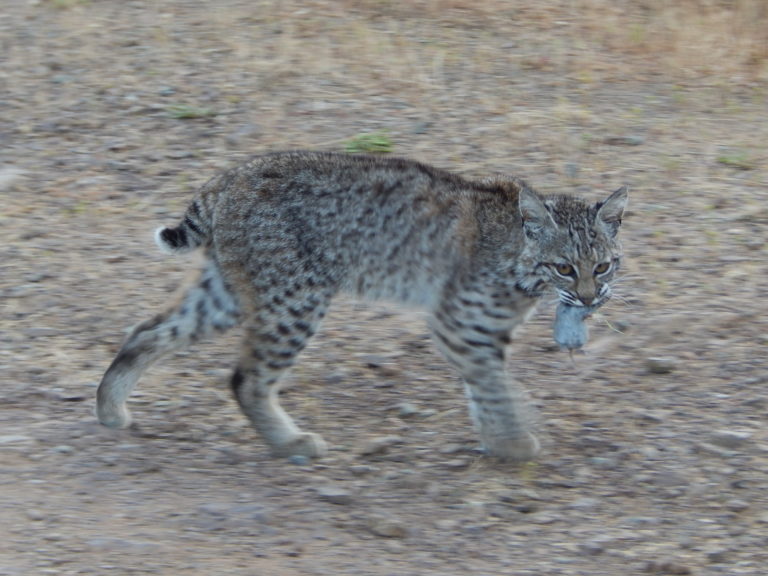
x=14, y=439
x=361, y=469
x=730, y=439
x=456, y=463
x=8, y=176
x=626, y=140
x=35, y=515
x=387, y=527
x=379, y=445
x=585, y=503
x=447, y=524
x=592, y=547
x=334, y=495
x=717, y=555
x=516, y=496
x=667, y=567
x=298, y=460
x=737, y=505
x=660, y=365
x=712, y=450
x=407, y=410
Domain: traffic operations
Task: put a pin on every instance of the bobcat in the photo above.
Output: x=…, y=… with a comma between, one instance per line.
x=285, y=232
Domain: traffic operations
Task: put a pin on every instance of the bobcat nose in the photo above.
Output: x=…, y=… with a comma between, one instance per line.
x=587, y=300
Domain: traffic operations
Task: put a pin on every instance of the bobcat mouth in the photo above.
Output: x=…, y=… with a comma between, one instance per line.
x=570, y=299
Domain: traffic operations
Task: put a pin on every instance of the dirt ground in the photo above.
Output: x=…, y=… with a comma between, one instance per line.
x=655, y=440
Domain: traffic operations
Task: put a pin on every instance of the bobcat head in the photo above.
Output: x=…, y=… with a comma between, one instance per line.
x=572, y=245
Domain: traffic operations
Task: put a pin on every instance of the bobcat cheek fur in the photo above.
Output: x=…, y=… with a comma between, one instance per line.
x=285, y=232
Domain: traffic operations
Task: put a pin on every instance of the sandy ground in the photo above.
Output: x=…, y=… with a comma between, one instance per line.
x=655, y=440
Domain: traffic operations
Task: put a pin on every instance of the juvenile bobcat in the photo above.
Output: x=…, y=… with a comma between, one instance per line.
x=285, y=232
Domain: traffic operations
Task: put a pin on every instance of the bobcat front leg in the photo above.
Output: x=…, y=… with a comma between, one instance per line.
x=473, y=334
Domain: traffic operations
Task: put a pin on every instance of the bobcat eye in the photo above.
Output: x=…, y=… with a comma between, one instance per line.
x=565, y=269
x=602, y=268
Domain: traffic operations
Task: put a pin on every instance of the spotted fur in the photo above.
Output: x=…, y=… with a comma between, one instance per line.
x=284, y=233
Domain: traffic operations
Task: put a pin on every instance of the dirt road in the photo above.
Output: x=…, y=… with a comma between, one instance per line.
x=655, y=441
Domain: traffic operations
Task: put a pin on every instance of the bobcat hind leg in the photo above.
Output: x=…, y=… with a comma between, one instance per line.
x=206, y=307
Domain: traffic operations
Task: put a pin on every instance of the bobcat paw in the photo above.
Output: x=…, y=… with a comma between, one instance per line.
x=112, y=415
x=303, y=444
x=518, y=449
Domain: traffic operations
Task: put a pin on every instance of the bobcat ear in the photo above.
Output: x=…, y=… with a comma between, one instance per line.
x=536, y=217
x=611, y=211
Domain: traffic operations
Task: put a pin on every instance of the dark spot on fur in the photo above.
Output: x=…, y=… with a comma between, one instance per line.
x=257, y=354
x=126, y=356
x=478, y=343
x=456, y=348
x=192, y=226
x=237, y=381
x=276, y=365
x=153, y=322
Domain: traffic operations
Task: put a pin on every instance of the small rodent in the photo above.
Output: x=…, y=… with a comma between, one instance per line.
x=570, y=330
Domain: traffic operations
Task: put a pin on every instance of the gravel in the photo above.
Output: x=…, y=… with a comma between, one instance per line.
x=655, y=443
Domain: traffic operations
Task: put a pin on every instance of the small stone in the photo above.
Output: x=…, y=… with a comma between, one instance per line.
x=407, y=410
x=334, y=495
x=737, y=505
x=717, y=555
x=298, y=460
x=592, y=548
x=35, y=515
x=361, y=469
x=624, y=140
x=387, y=527
x=379, y=445
x=542, y=518
x=667, y=567
x=585, y=503
x=527, y=507
x=730, y=439
x=8, y=176
x=660, y=365
x=14, y=439
x=63, y=449
x=447, y=524
x=457, y=463
x=604, y=463
x=712, y=450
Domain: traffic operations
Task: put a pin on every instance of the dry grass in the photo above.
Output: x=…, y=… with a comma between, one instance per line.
x=692, y=37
